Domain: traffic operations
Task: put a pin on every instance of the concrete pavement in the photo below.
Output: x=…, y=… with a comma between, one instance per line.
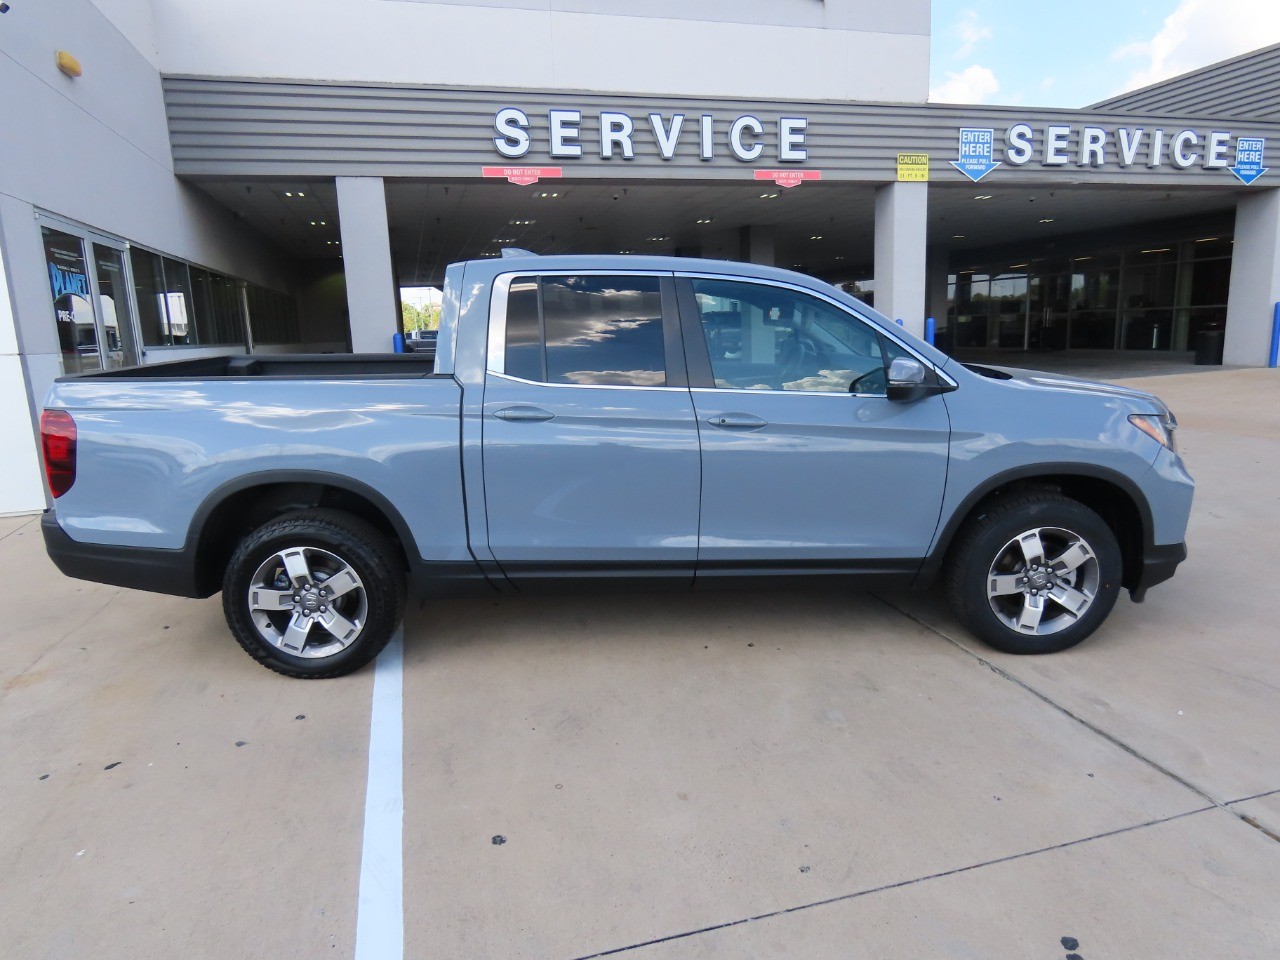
x=759, y=774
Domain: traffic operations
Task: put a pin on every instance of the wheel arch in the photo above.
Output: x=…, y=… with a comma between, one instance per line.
x=243, y=504
x=1112, y=495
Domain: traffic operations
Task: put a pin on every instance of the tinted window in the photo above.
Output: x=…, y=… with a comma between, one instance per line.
x=524, y=331
x=586, y=330
x=762, y=337
x=148, y=285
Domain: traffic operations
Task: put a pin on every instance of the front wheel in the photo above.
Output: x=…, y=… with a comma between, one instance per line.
x=314, y=594
x=1036, y=573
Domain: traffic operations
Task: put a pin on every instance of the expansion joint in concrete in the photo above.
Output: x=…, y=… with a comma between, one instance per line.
x=1091, y=727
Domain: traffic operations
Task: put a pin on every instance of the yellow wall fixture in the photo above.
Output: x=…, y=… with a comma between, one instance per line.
x=69, y=64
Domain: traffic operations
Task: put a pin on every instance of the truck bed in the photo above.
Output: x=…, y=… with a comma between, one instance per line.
x=310, y=365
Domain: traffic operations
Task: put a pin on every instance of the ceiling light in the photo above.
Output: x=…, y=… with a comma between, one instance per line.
x=1084, y=258
x=815, y=238
x=1015, y=266
x=841, y=257
x=522, y=223
x=1206, y=239
x=957, y=236
x=504, y=240
x=767, y=196
x=544, y=195
x=983, y=196
x=707, y=220
x=1157, y=250
x=313, y=223
x=659, y=239
x=626, y=251
x=1047, y=220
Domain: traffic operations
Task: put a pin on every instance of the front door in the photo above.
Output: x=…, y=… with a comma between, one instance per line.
x=590, y=444
x=89, y=283
x=111, y=285
x=805, y=462
x=79, y=330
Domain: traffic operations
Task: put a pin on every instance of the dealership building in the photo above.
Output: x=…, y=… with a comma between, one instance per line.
x=182, y=177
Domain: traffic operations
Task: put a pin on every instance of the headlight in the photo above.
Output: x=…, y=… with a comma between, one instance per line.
x=1159, y=427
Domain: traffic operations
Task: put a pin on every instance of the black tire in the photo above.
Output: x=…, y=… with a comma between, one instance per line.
x=992, y=554
x=334, y=548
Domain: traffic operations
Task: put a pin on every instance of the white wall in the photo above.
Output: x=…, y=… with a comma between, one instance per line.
x=21, y=490
x=842, y=49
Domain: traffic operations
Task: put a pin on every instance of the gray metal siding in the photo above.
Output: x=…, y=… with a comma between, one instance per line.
x=1247, y=86
x=241, y=128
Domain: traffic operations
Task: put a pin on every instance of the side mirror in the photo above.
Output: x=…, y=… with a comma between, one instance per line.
x=908, y=380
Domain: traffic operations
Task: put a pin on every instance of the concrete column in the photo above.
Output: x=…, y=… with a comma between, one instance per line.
x=902, y=220
x=1255, y=279
x=757, y=244
x=21, y=486
x=366, y=256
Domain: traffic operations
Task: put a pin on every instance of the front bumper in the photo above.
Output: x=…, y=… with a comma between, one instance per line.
x=1159, y=563
x=138, y=568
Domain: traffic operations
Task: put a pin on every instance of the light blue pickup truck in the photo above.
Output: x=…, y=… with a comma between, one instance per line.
x=591, y=419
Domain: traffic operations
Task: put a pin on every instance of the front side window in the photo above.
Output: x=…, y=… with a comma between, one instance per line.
x=586, y=330
x=762, y=337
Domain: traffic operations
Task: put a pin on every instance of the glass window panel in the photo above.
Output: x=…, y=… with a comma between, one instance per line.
x=604, y=330
x=273, y=316
x=117, y=327
x=178, y=303
x=1210, y=280
x=524, y=356
x=762, y=337
x=148, y=286
x=72, y=307
x=216, y=303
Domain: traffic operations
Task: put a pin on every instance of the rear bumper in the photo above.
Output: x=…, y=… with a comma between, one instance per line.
x=1158, y=564
x=139, y=568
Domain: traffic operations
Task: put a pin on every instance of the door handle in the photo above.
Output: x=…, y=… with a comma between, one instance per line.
x=740, y=421
x=525, y=412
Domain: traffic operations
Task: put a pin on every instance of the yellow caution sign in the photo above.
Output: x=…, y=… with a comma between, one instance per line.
x=913, y=167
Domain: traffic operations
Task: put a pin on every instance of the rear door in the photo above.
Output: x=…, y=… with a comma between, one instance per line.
x=590, y=443
x=807, y=465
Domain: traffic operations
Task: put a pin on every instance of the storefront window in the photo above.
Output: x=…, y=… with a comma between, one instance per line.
x=273, y=317
x=148, y=285
x=216, y=307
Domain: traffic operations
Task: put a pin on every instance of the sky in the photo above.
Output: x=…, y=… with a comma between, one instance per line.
x=1043, y=53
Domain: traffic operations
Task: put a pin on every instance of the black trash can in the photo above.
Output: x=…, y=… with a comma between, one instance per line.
x=1209, y=344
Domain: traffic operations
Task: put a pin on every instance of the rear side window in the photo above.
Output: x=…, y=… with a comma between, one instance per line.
x=586, y=330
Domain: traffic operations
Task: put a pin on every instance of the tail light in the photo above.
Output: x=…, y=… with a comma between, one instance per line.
x=58, y=441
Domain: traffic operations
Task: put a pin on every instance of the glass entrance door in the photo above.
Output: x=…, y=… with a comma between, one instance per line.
x=89, y=282
x=119, y=341
x=73, y=312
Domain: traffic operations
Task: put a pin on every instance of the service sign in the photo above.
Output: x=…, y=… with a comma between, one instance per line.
x=981, y=150
x=613, y=135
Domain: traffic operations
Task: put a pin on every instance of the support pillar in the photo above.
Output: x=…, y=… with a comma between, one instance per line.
x=1255, y=279
x=21, y=487
x=902, y=222
x=757, y=245
x=366, y=256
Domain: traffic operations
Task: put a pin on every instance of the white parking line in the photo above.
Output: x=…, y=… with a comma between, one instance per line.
x=380, y=909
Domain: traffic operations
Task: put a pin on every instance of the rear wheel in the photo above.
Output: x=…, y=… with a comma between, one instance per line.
x=1036, y=573
x=314, y=594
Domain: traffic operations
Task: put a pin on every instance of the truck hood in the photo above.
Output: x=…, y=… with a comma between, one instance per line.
x=1058, y=381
